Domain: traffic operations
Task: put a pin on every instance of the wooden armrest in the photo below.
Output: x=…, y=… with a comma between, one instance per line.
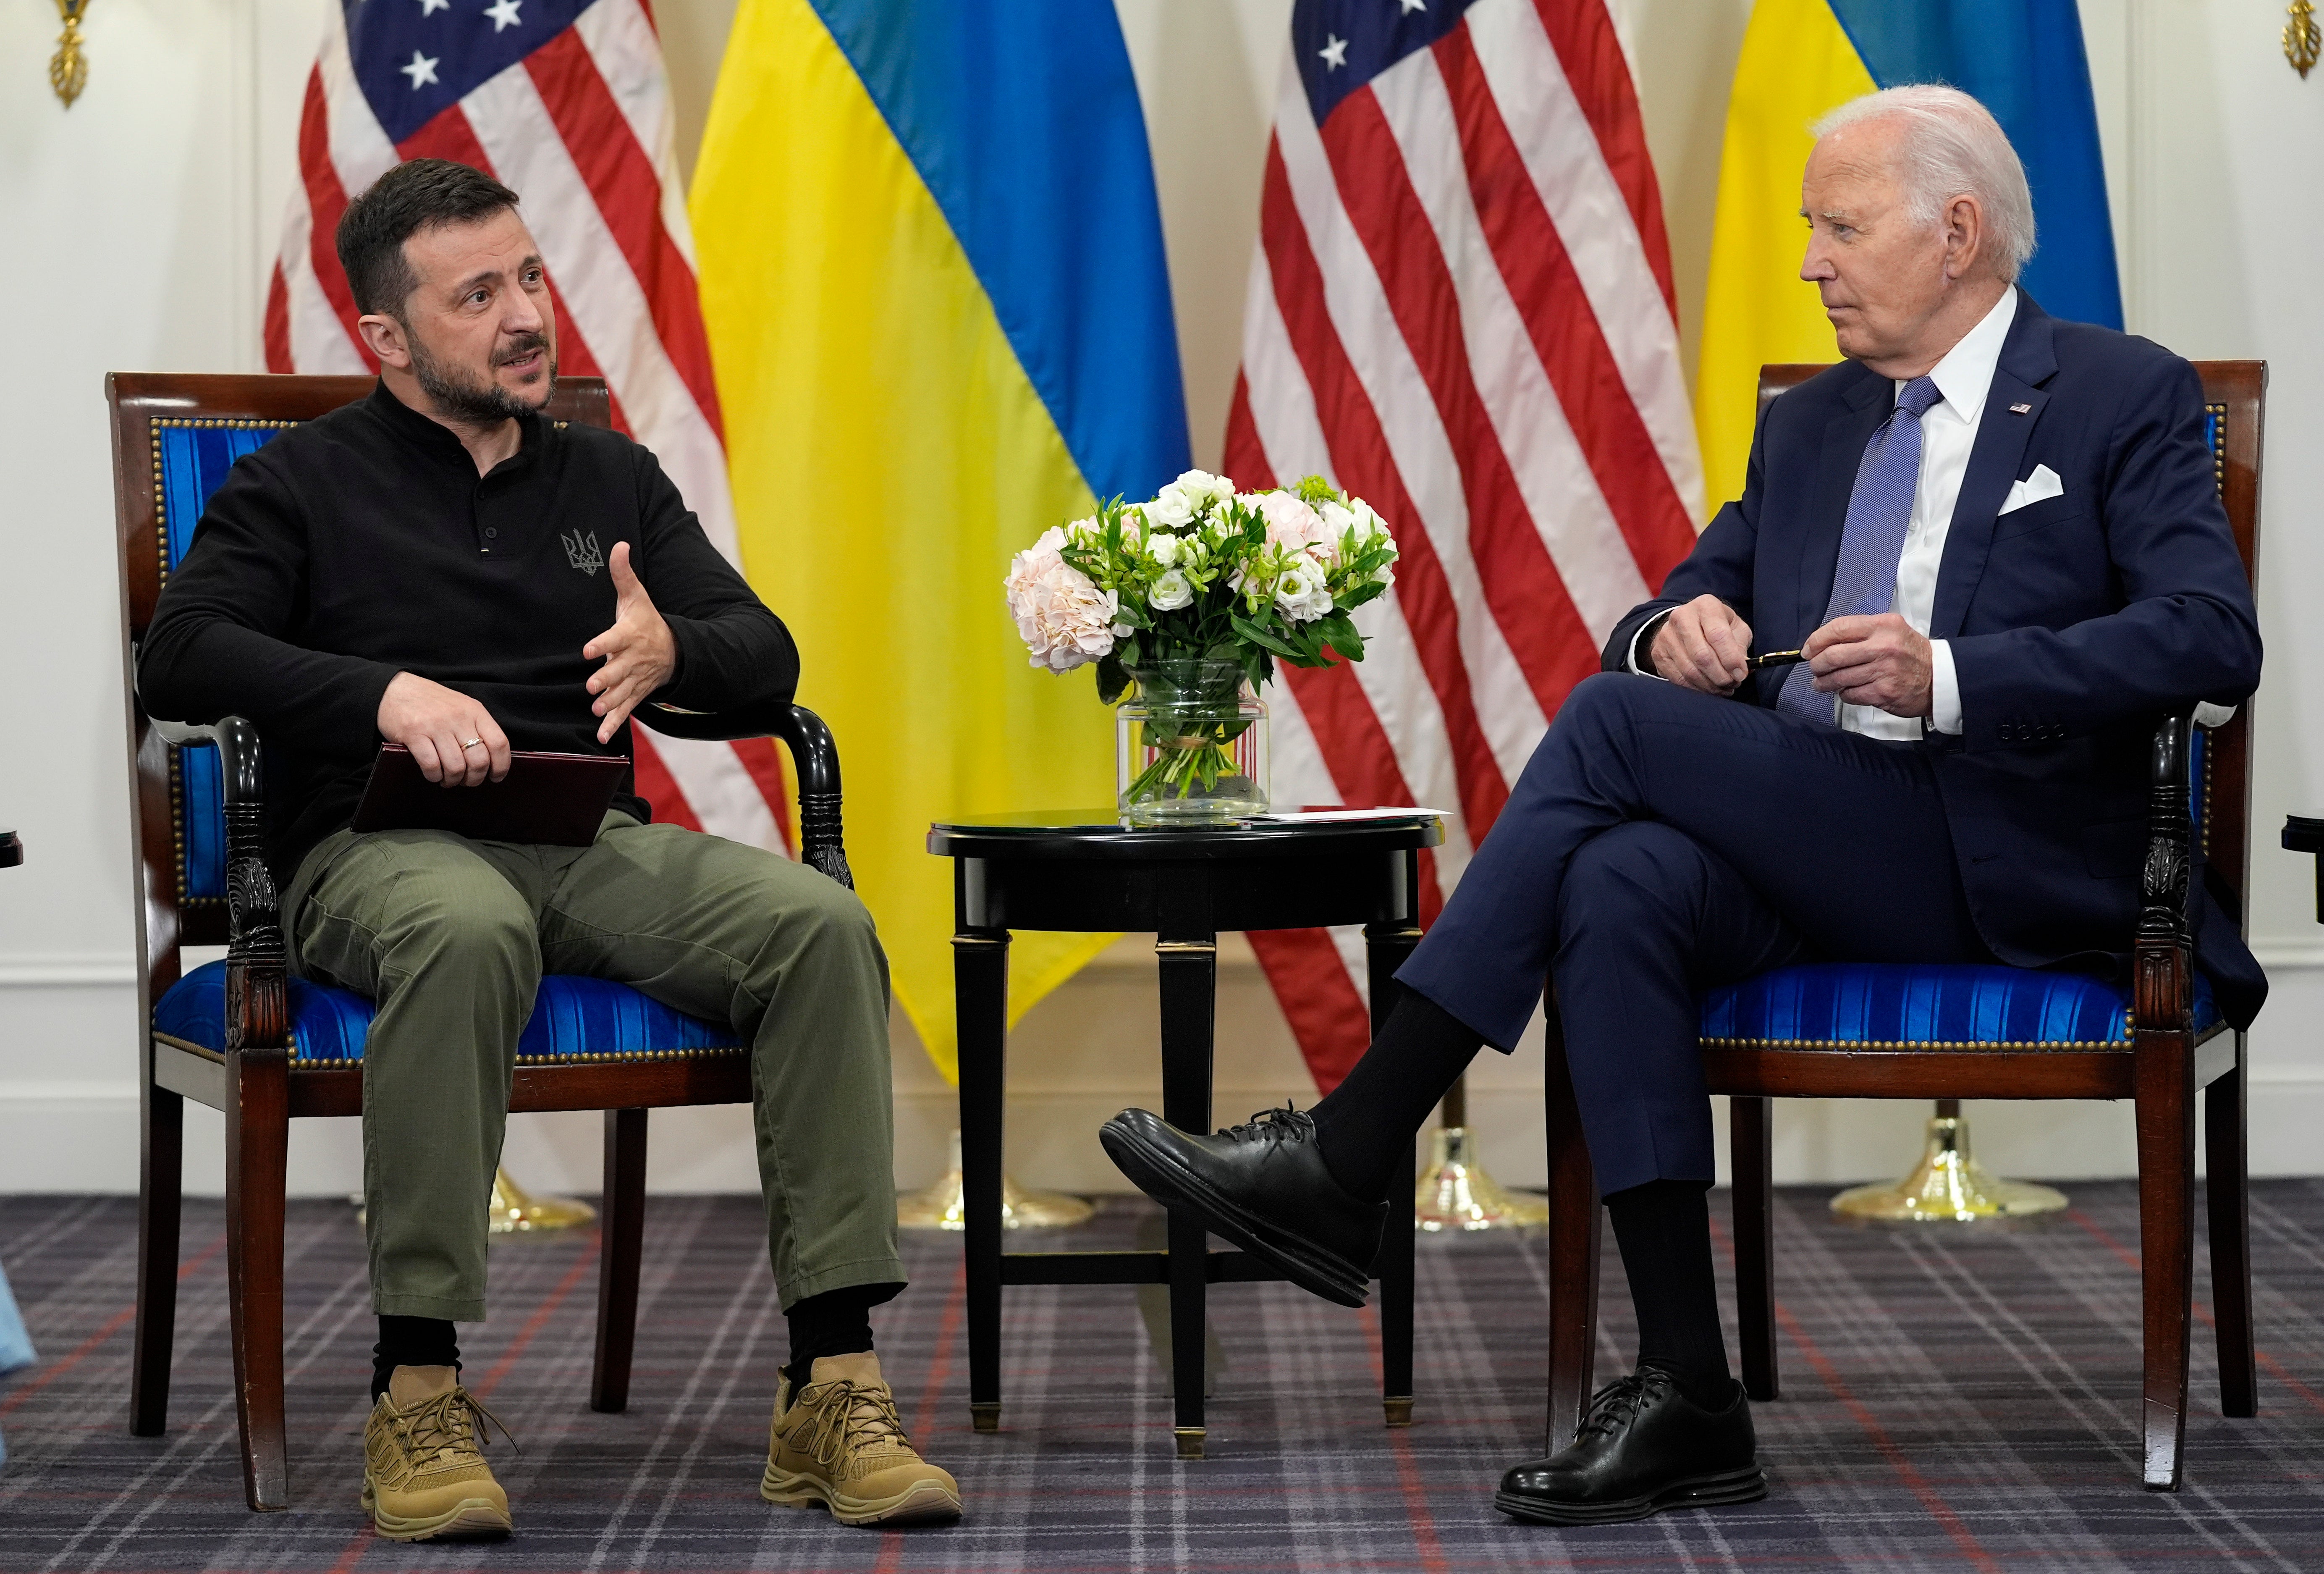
x=257, y=962
x=814, y=757
x=2164, y=950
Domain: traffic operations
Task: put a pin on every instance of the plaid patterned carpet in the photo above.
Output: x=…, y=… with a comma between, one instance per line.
x=1950, y=1402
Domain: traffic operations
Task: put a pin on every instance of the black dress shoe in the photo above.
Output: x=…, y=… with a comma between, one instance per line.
x=1262, y=1185
x=1643, y=1447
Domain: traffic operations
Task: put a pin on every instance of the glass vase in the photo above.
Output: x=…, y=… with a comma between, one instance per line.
x=1190, y=744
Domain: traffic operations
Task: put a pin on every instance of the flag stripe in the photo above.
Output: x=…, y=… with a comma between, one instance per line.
x=1568, y=170
x=1361, y=461
x=1547, y=306
x=626, y=192
x=1590, y=58
x=1371, y=312
x=1460, y=306
x=326, y=199
x=627, y=53
x=1436, y=267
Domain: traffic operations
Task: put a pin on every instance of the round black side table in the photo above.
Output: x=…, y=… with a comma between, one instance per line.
x=1088, y=873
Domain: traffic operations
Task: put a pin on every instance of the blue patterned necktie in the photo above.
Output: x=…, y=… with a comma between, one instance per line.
x=1879, y=510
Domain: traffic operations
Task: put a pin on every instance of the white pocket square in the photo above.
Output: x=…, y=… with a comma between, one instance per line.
x=2042, y=483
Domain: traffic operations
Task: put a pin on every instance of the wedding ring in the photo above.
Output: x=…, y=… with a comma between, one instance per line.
x=474, y=743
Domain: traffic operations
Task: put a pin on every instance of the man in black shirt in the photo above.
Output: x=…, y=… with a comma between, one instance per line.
x=441, y=567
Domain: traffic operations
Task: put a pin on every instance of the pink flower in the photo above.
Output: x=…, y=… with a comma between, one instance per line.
x=1066, y=621
x=1290, y=524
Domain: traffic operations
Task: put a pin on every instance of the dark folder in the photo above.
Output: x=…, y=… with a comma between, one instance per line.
x=556, y=799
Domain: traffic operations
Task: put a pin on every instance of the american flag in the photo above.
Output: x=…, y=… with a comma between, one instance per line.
x=566, y=102
x=1461, y=309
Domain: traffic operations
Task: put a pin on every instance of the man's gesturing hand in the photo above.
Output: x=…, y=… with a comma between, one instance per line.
x=1879, y=660
x=639, y=649
x=454, y=737
x=1703, y=645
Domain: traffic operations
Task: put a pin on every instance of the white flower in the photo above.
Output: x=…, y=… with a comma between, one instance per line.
x=1066, y=621
x=1164, y=549
x=1170, y=592
x=1202, y=486
x=1081, y=532
x=1172, y=508
x=1301, y=595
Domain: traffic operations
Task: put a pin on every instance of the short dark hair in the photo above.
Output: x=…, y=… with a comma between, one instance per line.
x=416, y=195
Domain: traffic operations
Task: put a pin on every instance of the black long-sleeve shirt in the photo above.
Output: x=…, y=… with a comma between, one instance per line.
x=363, y=544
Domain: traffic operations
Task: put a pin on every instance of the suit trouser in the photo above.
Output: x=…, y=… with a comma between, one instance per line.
x=1662, y=842
x=450, y=937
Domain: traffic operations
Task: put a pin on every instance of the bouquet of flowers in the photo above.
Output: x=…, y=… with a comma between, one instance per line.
x=1200, y=590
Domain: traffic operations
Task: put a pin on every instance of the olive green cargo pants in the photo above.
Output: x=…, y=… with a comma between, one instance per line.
x=450, y=937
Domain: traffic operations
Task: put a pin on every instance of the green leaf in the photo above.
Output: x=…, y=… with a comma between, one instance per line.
x=1361, y=595
x=1113, y=679
x=1262, y=636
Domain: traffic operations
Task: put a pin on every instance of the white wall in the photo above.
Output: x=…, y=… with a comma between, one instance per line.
x=140, y=226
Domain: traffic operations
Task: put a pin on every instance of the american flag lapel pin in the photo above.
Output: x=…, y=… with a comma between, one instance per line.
x=2020, y=409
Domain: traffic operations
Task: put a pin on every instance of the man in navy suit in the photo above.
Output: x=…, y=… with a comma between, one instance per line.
x=1997, y=538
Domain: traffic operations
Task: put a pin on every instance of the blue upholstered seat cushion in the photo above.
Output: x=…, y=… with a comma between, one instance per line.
x=573, y=1019
x=1851, y=1004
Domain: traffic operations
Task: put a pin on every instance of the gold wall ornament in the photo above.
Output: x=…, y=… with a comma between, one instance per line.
x=68, y=67
x=2304, y=41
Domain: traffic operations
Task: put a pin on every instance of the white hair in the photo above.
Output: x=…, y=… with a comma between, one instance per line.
x=1952, y=147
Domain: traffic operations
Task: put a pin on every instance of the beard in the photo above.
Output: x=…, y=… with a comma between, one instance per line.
x=464, y=396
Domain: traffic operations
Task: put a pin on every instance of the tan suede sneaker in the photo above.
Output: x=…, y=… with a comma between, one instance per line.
x=838, y=1441
x=424, y=1474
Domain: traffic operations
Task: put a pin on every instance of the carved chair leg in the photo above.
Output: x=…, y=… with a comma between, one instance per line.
x=623, y=1247
x=1574, y=1219
x=1752, y=1162
x=2165, y=1092
x=2226, y=1190
x=257, y=1139
x=160, y=1162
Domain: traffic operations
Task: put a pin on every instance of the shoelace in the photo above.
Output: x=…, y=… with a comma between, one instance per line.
x=444, y=1423
x=1274, y=1126
x=1616, y=1405
x=866, y=1413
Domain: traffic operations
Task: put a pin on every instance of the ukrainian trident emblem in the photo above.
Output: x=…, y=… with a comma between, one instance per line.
x=582, y=550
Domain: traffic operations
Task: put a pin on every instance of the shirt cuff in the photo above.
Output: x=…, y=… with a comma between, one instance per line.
x=1944, y=690
x=2208, y=715
x=1646, y=630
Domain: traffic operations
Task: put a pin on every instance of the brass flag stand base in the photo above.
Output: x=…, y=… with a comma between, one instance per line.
x=516, y=1211
x=1947, y=1185
x=1456, y=1192
x=942, y=1206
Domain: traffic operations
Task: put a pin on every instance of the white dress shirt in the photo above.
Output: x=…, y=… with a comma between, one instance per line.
x=1947, y=434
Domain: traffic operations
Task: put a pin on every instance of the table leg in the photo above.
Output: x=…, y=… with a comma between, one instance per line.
x=980, y=967
x=1187, y=959
x=1387, y=943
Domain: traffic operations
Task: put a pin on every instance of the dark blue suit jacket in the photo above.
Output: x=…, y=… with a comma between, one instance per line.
x=2075, y=623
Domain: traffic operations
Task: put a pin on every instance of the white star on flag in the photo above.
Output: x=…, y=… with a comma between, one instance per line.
x=504, y=13
x=421, y=70
x=1335, y=51
x=1412, y=6
x=430, y=7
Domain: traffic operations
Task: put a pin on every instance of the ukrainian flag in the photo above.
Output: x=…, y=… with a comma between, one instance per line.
x=932, y=273
x=2022, y=59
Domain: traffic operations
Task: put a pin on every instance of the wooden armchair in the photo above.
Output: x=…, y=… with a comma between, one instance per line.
x=244, y=1038
x=2157, y=1045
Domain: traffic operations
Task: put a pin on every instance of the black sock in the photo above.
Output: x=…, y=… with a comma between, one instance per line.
x=1664, y=1228
x=411, y=1341
x=837, y=1323
x=1365, y=1126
